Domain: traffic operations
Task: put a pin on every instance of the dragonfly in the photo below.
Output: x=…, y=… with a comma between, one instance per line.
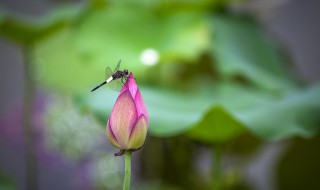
x=115, y=79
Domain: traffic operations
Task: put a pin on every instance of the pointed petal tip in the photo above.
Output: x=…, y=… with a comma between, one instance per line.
x=138, y=133
x=130, y=75
x=130, y=85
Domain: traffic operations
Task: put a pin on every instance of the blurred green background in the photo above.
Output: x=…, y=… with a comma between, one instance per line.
x=228, y=106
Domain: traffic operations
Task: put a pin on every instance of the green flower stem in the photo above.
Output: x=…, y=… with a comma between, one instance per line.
x=127, y=174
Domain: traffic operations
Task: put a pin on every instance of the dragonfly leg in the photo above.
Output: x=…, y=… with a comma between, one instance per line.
x=126, y=78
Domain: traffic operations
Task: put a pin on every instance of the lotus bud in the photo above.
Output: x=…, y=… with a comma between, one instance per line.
x=128, y=122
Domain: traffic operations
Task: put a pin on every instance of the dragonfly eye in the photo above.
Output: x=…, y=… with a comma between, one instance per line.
x=126, y=71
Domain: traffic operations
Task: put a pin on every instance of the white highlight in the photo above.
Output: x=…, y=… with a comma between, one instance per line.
x=149, y=57
x=109, y=79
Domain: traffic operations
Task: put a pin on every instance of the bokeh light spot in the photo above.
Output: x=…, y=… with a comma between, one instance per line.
x=149, y=57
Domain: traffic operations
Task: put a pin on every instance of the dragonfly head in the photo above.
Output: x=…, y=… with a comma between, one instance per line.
x=126, y=71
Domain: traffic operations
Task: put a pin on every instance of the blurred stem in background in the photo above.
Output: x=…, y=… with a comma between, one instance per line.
x=127, y=174
x=27, y=34
x=31, y=168
x=216, y=168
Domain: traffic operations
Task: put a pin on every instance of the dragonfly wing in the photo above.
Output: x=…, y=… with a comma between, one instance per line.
x=117, y=67
x=109, y=73
x=116, y=85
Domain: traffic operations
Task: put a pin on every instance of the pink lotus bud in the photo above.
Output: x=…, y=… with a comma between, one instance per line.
x=128, y=122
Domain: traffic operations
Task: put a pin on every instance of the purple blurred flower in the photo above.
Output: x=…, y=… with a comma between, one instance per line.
x=52, y=162
x=128, y=122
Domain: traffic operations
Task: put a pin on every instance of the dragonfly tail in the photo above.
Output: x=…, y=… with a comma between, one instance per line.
x=95, y=88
